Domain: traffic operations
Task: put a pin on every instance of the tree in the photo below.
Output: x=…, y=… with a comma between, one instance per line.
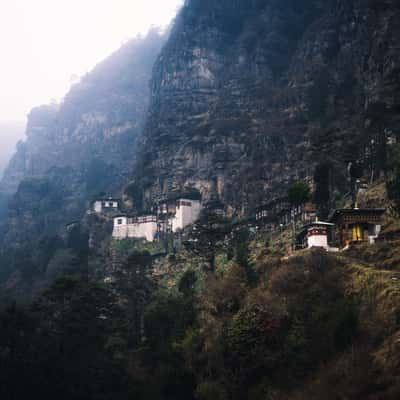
x=59, y=347
x=239, y=247
x=187, y=283
x=322, y=196
x=167, y=319
x=298, y=193
x=134, y=287
x=78, y=243
x=393, y=181
x=208, y=236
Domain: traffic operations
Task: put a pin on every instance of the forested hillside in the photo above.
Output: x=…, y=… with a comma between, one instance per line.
x=74, y=151
x=246, y=101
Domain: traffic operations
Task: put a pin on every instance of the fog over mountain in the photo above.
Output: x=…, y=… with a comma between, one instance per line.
x=211, y=213
x=10, y=134
x=41, y=54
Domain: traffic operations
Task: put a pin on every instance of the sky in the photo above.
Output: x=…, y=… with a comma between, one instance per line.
x=45, y=43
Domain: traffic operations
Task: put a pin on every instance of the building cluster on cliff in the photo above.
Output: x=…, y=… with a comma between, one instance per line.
x=171, y=215
x=344, y=226
x=176, y=213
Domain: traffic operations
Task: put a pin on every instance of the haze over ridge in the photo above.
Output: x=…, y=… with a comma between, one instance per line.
x=42, y=56
x=42, y=51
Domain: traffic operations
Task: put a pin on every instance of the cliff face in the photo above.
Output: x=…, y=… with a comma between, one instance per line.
x=75, y=151
x=247, y=96
x=81, y=148
x=95, y=128
x=10, y=134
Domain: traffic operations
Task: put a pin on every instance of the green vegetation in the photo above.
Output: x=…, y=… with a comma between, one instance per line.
x=393, y=183
x=298, y=193
x=126, y=246
x=322, y=196
x=207, y=237
x=255, y=325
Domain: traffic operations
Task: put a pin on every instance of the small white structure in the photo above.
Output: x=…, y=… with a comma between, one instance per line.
x=144, y=227
x=373, y=233
x=317, y=234
x=314, y=234
x=105, y=205
x=187, y=212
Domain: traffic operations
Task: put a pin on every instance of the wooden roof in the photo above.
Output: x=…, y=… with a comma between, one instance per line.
x=357, y=214
x=320, y=224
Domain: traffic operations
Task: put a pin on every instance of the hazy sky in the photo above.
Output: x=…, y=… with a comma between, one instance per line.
x=43, y=43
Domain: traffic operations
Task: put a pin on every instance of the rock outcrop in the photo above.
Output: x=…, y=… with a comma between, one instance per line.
x=80, y=148
x=248, y=96
x=93, y=131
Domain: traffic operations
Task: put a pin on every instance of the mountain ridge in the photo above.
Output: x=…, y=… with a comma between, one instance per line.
x=245, y=111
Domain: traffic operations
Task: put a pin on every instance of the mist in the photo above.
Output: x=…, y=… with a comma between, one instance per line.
x=10, y=134
x=45, y=56
x=47, y=45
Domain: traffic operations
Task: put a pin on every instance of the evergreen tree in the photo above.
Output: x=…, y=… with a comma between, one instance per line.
x=298, y=193
x=133, y=285
x=322, y=196
x=393, y=181
x=208, y=236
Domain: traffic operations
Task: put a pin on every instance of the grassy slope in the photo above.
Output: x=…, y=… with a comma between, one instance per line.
x=370, y=275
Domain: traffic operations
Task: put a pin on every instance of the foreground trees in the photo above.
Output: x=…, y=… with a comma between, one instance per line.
x=255, y=328
x=61, y=346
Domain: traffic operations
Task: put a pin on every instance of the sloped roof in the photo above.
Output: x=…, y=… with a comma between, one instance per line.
x=356, y=211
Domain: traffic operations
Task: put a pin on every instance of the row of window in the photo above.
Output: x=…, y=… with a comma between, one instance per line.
x=183, y=203
x=140, y=220
x=109, y=204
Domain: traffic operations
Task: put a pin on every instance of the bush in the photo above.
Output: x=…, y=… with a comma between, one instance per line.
x=393, y=181
x=298, y=193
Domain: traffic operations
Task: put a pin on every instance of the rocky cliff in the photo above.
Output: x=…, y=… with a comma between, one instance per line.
x=74, y=152
x=245, y=97
x=10, y=134
x=85, y=145
x=250, y=95
x=93, y=131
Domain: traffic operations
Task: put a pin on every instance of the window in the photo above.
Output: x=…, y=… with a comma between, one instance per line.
x=120, y=221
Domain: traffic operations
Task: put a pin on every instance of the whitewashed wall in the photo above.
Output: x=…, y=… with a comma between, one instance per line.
x=123, y=229
x=318, y=241
x=185, y=214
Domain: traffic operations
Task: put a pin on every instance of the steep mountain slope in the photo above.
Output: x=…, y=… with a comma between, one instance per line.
x=249, y=95
x=10, y=134
x=98, y=121
x=86, y=145
x=74, y=151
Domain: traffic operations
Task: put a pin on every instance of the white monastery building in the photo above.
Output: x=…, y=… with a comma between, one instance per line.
x=105, y=205
x=317, y=234
x=187, y=212
x=173, y=216
x=144, y=227
x=314, y=234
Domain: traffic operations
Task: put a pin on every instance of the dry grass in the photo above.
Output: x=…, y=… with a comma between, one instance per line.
x=375, y=196
x=369, y=370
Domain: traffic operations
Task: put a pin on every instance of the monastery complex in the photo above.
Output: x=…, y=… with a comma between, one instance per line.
x=174, y=215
